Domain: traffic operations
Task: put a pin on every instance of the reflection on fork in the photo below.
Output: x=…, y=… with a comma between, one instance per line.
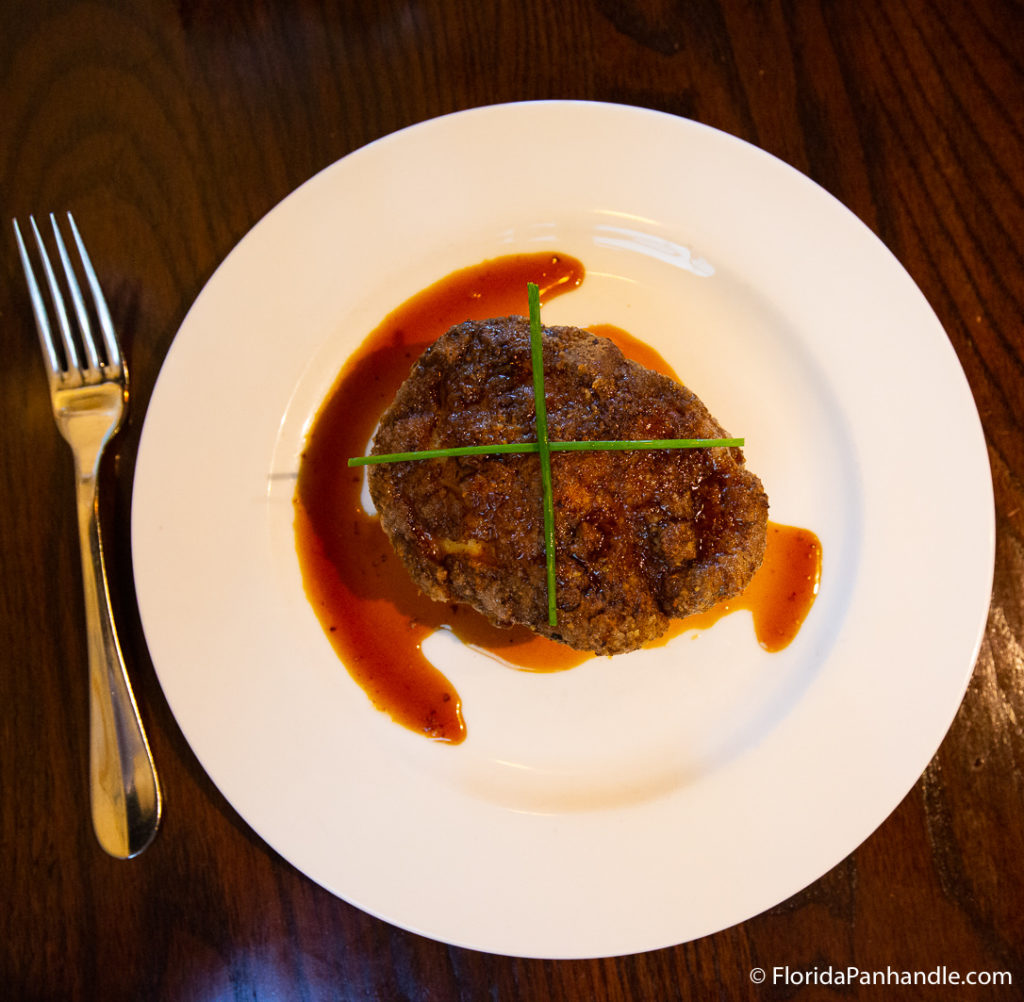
x=89, y=393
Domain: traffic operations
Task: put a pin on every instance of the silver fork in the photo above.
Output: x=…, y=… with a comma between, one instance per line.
x=89, y=397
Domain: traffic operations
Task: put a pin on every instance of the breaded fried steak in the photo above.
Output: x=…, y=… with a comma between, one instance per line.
x=641, y=537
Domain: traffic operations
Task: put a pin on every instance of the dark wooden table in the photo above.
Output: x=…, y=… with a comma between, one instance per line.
x=170, y=128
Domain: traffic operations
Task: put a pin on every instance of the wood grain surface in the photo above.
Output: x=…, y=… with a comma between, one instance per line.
x=170, y=127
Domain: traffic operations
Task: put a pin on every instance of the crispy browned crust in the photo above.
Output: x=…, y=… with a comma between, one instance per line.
x=641, y=537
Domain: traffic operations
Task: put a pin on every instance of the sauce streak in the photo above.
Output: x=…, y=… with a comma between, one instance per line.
x=779, y=595
x=634, y=348
x=374, y=616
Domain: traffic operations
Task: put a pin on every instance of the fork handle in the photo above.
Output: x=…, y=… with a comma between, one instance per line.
x=125, y=793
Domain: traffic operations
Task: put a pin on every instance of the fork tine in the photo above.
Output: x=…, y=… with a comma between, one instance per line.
x=38, y=308
x=70, y=350
x=84, y=326
x=114, y=360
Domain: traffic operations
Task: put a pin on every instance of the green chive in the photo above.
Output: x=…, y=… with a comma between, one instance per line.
x=619, y=445
x=522, y=448
x=459, y=450
x=543, y=448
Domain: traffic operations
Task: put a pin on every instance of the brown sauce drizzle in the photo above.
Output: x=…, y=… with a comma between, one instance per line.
x=634, y=348
x=779, y=595
x=374, y=616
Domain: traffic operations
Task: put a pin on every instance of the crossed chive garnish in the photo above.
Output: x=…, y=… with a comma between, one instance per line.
x=543, y=447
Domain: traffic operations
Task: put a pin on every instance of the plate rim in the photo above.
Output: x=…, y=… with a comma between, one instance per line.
x=147, y=478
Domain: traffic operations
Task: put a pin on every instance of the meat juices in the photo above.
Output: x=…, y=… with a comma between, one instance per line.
x=641, y=537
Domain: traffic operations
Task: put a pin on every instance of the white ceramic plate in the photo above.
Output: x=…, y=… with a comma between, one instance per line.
x=634, y=802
